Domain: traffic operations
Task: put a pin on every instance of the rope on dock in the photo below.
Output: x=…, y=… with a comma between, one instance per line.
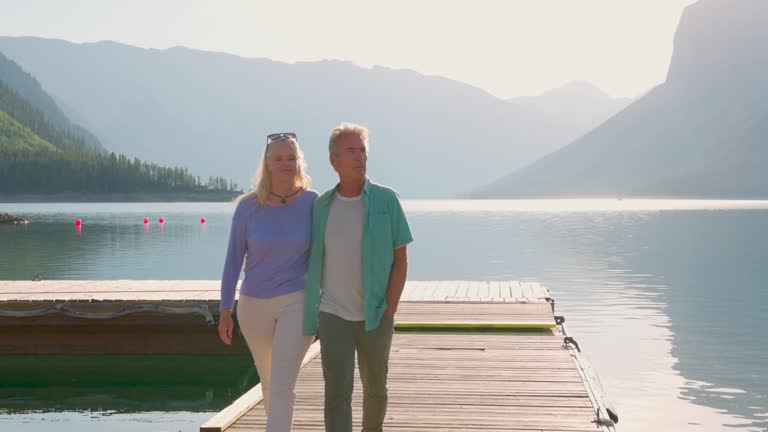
x=125, y=310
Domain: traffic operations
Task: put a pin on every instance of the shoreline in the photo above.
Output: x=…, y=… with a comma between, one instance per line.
x=11, y=219
x=120, y=197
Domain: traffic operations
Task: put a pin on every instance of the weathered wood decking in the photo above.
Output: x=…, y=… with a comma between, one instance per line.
x=176, y=316
x=520, y=377
x=208, y=290
x=468, y=355
x=488, y=382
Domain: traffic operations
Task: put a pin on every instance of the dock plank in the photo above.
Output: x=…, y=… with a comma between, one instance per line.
x=462, y=314
x=516, y=291
x=458, y=382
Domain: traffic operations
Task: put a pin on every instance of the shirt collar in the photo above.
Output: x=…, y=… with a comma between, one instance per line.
x=366, y=191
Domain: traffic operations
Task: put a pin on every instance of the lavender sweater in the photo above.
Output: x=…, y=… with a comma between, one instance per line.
x=274, y=242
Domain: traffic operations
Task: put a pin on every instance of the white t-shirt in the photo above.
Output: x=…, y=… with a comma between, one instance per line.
x=343, y=266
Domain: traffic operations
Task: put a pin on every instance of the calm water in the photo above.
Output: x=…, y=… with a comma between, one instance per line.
x=667, y=298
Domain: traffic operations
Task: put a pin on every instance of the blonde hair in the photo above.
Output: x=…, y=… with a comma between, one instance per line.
x=262, y=181
x=347, y=129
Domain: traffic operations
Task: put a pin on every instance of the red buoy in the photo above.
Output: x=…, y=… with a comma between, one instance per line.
x=146, y=220
x=161, y=220
x=78, y=223
x=202, y=220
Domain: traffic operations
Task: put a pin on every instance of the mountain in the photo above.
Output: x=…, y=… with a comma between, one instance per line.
x=701, y=133
x=18, y=108
x=16, y=137
x=579, y=104
x=29, y=88
x=430, y=136
x=38, y=157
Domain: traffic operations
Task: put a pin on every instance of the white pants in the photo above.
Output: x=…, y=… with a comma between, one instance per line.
x=273, y=330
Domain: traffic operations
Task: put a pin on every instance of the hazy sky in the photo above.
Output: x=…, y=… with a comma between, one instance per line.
x=507, y=47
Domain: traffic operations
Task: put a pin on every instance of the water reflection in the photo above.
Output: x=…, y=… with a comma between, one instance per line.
x=714, y=265
x=114, y=242
x=652, y=295
x=123, y=384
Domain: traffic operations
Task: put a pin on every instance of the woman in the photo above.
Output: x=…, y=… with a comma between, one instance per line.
x=271, y=232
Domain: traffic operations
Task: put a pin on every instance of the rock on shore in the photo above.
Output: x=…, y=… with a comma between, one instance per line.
x=9, y=219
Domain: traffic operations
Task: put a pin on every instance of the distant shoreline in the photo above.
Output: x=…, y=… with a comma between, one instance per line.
x=120, y=197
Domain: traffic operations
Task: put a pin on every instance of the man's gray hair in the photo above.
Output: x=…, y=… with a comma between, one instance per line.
x=347, y=129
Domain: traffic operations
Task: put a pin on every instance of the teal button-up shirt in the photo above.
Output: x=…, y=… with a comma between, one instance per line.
x=385, y=229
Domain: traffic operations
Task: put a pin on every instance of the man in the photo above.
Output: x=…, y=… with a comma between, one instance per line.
x=357, y=271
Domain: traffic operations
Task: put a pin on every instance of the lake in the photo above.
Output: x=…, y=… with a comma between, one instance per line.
x=665, y=297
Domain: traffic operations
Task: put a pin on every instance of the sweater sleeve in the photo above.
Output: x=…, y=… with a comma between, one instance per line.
x=235, y=256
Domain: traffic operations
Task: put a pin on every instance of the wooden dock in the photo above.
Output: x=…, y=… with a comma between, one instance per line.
x=111, y=317
x=467, y=355
x=178, y=316
x=499, y=364
x=208, y=290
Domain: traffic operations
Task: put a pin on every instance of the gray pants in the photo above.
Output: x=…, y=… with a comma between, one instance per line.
x=339, y=339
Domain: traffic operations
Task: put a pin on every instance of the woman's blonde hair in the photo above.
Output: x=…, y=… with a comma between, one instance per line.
x=347, y=129
x=262, y=181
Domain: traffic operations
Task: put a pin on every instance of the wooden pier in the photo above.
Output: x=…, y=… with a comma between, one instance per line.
x=177, y=316
x=466, y=355
x=482, y=356
x=112, y=317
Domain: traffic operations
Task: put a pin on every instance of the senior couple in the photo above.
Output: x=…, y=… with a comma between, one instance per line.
x=332, y=265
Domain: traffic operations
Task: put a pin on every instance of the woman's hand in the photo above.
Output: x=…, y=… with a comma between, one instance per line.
x=226, y=326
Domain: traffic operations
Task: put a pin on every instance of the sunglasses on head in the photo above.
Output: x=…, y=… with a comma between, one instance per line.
x=280, y=135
